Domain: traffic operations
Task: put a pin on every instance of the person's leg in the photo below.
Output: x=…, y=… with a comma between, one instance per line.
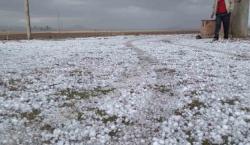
x=226, y=25
x=217, y=27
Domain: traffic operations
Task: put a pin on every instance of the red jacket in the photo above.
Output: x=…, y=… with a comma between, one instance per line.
x=229, y=5
x=221, y=7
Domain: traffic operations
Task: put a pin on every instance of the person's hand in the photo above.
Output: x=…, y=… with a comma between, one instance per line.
x=212, y=15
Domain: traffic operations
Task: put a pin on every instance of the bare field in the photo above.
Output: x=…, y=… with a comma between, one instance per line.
x=75, y=34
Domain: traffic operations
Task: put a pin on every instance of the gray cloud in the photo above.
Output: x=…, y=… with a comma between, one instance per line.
x=108, y=14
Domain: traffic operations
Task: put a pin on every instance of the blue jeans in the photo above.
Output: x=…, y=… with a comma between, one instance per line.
x=225, y=19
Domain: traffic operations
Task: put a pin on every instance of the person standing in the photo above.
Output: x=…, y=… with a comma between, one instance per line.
x=222, y=9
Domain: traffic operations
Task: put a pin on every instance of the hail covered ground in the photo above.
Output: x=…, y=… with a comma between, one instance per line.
x=169, y=89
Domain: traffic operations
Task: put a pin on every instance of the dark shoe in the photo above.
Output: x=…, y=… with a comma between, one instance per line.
x=215, y=39
x=198, y=37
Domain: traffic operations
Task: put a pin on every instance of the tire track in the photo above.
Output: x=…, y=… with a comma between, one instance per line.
x=151, y=64
x=159, y=102
x=144, y=59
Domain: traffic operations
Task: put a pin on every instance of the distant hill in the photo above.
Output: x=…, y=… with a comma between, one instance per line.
x=23, y=29
x=11, y=29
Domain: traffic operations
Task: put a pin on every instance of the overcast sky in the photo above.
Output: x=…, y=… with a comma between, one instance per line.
x=108, y=14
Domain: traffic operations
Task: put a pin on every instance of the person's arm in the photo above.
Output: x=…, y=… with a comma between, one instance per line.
x=232, y=2
x=213, y=13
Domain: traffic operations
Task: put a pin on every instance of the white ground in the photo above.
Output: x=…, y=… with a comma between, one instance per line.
x=125, y=90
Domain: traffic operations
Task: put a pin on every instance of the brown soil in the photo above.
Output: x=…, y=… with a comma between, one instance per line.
x=76, y=34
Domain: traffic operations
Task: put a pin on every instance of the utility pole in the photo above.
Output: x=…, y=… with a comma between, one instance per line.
x=239, y=26
x=27, y=14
